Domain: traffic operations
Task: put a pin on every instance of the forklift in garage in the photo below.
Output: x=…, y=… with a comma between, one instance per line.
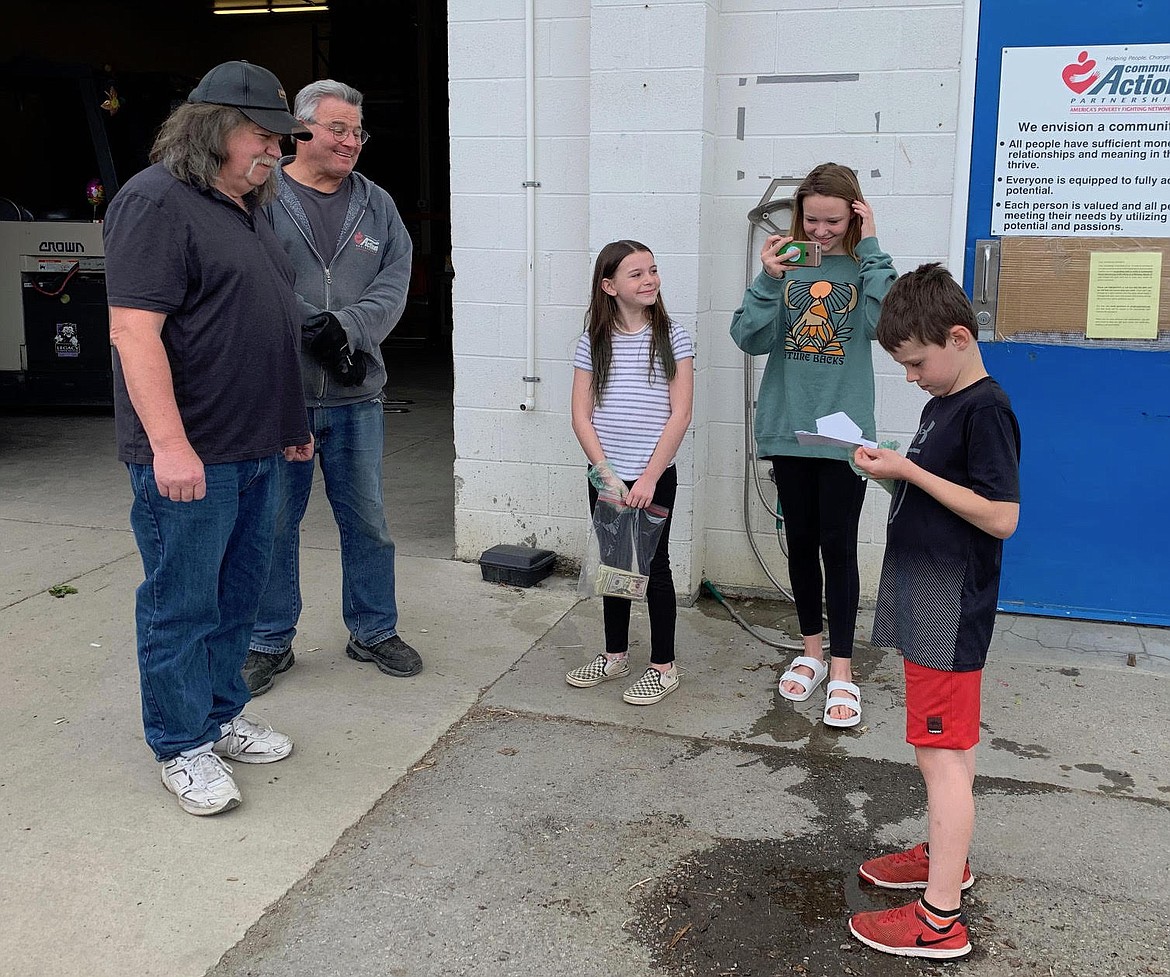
x=62, y=165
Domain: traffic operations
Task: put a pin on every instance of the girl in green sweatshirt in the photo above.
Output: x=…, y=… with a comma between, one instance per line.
x=816, y=325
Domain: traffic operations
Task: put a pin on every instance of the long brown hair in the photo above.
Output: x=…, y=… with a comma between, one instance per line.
x=601, y=319
x=193, y=145
x=830, y=180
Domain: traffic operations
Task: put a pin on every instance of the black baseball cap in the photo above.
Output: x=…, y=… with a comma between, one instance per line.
x=253, y=90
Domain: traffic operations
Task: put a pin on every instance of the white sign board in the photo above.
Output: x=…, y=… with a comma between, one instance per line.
x=1083, y=145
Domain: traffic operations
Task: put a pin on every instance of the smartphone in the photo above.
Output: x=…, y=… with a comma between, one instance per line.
x=805, y=253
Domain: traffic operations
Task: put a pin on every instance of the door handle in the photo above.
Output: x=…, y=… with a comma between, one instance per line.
x=986, y=285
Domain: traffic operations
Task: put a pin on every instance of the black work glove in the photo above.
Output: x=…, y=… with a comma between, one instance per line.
x=323, y=339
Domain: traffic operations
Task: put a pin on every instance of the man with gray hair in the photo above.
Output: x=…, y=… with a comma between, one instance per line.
x=351, y=254
x=207, y=405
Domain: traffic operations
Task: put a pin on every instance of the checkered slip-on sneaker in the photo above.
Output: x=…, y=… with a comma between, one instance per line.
x=652, y=687
x=601, y=669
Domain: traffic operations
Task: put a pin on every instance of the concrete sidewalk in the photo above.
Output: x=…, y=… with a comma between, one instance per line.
x=559, y=831
x=485, y=818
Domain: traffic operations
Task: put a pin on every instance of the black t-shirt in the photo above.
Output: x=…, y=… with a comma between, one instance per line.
x=231, y=332
x=940, y=579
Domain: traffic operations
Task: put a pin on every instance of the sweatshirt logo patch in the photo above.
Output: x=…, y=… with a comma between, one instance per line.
x=370, y=244
x=819, y=317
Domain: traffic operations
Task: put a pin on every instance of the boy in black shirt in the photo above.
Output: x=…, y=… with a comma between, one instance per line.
x=956, y=501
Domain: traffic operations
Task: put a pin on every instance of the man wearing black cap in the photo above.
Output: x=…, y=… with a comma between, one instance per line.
x=207, y=392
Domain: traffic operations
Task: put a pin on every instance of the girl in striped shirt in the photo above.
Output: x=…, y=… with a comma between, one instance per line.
x=633, y=385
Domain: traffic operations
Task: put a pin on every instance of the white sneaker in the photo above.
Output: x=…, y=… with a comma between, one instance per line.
x=652, y=687
x=248, y=741
x=202, y=783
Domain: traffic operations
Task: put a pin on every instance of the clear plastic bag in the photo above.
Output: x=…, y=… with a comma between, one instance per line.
x=621, y=545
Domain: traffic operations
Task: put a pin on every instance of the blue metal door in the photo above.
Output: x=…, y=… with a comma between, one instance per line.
x=1094, y=534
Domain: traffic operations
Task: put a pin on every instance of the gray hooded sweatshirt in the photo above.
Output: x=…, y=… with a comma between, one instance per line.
x=362, y=278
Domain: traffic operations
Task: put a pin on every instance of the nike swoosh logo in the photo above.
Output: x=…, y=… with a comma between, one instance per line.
x=921, y=942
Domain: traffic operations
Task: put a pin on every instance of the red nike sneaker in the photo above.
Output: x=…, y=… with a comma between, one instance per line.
x=905, y=870
x=905, y=933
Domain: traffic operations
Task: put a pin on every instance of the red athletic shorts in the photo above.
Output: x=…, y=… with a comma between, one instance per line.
x=942, y=708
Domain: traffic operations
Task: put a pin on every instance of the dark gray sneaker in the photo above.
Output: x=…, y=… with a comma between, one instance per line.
x=392, y=656
x=260, y=670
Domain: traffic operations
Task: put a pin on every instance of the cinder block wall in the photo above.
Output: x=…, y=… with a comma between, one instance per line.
x=666, y=122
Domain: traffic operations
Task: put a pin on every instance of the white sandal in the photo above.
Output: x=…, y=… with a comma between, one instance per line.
x=840, y=700
x=808, y=682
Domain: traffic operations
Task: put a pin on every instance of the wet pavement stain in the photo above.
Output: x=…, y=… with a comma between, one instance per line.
x=769, y=908
x=781, y=906
x=789, y=722
x=1118, y=781
x=1033, y=751
x=782, y=723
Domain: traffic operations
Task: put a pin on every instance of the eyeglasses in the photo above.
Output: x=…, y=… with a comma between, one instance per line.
x=340, y=131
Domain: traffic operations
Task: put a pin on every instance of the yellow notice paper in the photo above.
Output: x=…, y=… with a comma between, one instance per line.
x=1123, y=294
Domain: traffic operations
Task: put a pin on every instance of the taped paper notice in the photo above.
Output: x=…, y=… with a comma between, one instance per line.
x=1124, y=289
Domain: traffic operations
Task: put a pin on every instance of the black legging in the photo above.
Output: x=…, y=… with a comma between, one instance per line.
x=820, y=500
x=660, y=600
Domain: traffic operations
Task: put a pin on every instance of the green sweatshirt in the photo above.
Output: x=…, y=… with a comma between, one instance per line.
x=817, y=326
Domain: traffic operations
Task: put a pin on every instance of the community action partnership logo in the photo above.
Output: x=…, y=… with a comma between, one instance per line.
x=1138, y=86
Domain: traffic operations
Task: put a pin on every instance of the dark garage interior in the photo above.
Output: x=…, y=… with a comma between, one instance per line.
x=84, y=86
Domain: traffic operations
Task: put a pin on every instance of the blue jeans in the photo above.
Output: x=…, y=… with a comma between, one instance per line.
x=349, y=444
x=205, y=564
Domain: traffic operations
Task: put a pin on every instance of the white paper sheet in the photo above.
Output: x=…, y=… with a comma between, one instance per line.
x=837, y=430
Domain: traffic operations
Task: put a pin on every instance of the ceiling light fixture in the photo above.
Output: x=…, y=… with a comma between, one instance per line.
x=271, y=6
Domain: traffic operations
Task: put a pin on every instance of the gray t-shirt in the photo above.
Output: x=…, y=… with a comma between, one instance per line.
x=326, y=213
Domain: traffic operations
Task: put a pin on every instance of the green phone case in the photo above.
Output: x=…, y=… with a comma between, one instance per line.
x=802, y=249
